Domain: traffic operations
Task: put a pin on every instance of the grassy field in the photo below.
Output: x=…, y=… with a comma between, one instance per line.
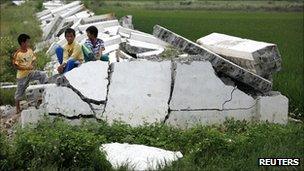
x=282, y=28
x=231, y=146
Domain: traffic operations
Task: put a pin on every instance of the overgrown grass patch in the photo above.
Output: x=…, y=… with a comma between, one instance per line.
x=234, y=145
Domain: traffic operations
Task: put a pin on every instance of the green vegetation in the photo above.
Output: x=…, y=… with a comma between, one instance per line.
x=234, y=145
x=14, y=21
x=245, y=5
x=282, y=28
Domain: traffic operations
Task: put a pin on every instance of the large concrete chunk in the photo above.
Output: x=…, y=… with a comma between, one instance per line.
x=63, y=100
x=219, y=63
x=139, y=92
x=273, y=108
x=138, y=157
x=90, y=80
x=197, y=87
x=98, y=18
x=52, y=27
x=260, y=57
x=31, y=116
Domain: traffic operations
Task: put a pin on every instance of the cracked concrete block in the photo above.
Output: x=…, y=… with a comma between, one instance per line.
x=31, y=116
x=273, y=108
x=196, y=87
x=219, y=63
x=262, y=58
x=90, y=80
x=239, y=100
x=137, y=98
x=188, y=119
x=34, y=93
x=63, y=100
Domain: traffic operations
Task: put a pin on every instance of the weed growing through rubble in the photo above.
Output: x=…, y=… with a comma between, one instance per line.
x=232, y=146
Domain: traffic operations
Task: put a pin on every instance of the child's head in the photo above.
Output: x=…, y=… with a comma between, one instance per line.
x=69, y=35
x=92, y=32
x=23, y=40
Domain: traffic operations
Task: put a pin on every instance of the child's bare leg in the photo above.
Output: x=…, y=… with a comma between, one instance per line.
x=18, y=110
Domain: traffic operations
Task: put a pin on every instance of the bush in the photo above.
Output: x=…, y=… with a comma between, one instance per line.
x=58, y=145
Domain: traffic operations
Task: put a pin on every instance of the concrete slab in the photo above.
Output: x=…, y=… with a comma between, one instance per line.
x=98, y=18
x=51, y=29
x=126, y=21
x=73, y=11
x=102, y=24
x=262, y=58
x=189, y=119
x=31, y=116
x=273, y=108
x=65, y=7
x=137, y=98
x=147, y=38
x=90, y=80
x=219, y=63
x=197, y=87
x=63, y=100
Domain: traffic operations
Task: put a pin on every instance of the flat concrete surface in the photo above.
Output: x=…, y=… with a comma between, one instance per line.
x=139, y=92
x=90, y=79
x=63, y=100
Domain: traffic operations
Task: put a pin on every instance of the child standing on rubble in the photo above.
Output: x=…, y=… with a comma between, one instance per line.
x=24, y=61
x=93, y=47
x=70, y=56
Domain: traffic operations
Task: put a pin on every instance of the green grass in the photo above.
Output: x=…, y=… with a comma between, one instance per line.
x=234, y=145
x=202, y=5
x=282, y=28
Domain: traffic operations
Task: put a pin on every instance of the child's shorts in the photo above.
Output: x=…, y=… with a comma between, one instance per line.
x=22, y=83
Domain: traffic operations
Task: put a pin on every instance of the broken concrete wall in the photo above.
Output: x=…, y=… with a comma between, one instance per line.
x=220, y=64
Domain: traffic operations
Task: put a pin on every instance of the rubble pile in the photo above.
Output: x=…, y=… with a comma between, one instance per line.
x=203, y=84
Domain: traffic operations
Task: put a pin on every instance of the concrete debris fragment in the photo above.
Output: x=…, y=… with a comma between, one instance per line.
x=219, y=63
x=126, y=21
x=259, y=57
x=138, y=157
x=90, y=80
